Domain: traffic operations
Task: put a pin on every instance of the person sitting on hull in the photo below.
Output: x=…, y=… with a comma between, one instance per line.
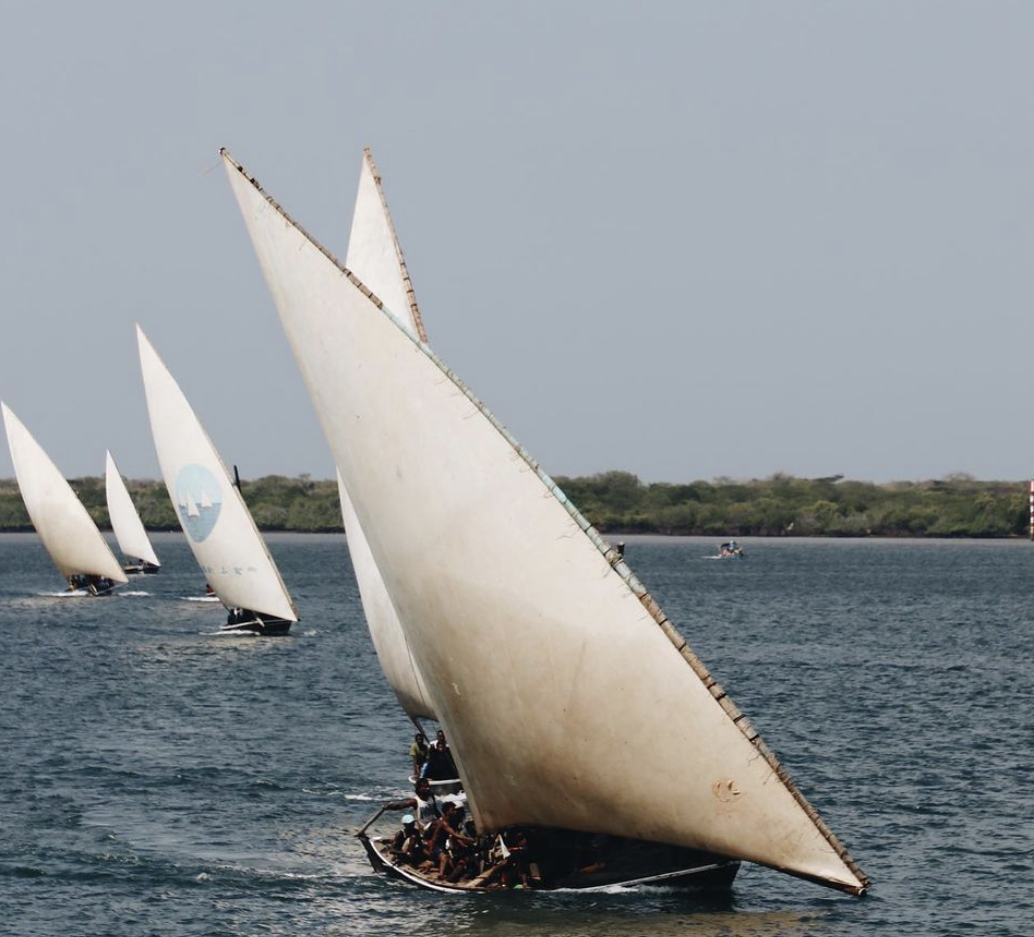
x=418, y=753
x=423, y=803
x=241, y=616
x=443, y=833
x=440, y=765
x=408, y=844
x=466, y=855
x=509, y=863
x=93, y=584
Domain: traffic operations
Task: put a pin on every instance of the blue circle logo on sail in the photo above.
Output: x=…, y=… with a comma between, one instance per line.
x=199, y=500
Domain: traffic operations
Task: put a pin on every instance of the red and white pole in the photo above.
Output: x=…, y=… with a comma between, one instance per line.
x=1032, y=510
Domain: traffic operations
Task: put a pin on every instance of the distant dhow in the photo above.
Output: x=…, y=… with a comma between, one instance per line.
x=67, y=531
x=126, y=524
x=220, y=530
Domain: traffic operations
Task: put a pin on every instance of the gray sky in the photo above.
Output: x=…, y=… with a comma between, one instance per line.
x=685, y=239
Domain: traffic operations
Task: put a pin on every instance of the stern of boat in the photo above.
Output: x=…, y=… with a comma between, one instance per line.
x=244, y=621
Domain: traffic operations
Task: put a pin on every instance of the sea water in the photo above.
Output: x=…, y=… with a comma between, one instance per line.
x=157, y=778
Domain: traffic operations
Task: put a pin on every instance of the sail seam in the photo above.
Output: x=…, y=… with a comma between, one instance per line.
x=609, y=553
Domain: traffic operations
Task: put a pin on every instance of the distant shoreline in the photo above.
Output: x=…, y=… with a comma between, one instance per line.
x=631, y=537
x=618, y=504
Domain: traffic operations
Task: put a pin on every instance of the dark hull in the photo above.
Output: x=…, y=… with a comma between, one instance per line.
x=140, y=569
x=632, y=864
x=94, y=585
x=269, y=627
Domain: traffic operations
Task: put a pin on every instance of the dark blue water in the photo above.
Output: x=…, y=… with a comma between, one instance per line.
x=156, y=778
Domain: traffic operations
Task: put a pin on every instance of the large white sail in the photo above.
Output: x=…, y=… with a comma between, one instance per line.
x=125, y=521
x=219, y=528
x=375, y=254
x=385, y=629
x=569, y=698
x=68, y=532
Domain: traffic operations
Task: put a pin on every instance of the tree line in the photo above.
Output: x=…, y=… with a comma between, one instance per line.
x=619, y=502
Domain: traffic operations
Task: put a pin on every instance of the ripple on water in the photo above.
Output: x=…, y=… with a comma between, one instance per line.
x=155, y=779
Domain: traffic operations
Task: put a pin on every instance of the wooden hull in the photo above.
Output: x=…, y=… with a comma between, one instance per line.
x=654, y=865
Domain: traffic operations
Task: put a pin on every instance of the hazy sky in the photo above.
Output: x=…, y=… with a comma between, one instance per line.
x=685, y=239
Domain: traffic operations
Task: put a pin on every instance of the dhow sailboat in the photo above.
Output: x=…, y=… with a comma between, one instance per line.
x=126, y=524
x=66, y=529
x=589, y=737
x=220, y=530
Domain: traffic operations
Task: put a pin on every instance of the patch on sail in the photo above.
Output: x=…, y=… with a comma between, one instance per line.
x=199, y=500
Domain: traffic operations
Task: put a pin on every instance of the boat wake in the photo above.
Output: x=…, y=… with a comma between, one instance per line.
x=641, y=888
x=199, y=598
x=64, y=594
x=132, y=595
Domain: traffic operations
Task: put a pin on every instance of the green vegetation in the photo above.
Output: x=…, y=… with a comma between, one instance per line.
x=276, y=503
x=957, y=506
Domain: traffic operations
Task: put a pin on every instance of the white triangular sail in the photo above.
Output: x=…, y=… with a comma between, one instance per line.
x=68, y=532
x=125, y=521
x=389, y=641
x=375, y=254
x=569, y=698
x=223, y=536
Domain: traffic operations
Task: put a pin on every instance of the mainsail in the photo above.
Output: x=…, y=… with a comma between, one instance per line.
x=219, y=528
x=375, y=254
x=68, y=532
x=125, y=521
x=569, y=698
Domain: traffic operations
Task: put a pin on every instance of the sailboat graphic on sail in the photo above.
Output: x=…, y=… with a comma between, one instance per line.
x=578, y=714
